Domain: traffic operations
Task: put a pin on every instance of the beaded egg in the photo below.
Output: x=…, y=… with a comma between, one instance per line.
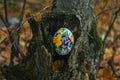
x=63, y=40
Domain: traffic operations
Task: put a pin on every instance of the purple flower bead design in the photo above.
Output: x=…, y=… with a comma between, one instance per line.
x=65, y=42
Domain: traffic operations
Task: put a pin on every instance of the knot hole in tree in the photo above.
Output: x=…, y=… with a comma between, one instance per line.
x=53, y=21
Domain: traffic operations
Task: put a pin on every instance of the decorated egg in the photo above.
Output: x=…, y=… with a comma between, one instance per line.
x=63, y=41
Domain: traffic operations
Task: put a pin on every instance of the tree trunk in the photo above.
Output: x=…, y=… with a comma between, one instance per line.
x=79, y=64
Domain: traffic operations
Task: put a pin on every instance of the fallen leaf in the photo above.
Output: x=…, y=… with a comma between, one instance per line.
x=57, y=65
x=108, y=53
x=105, y=74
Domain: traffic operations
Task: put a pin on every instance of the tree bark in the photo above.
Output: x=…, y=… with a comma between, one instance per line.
x=79, y=64
x=79, y=17
x=82, y=58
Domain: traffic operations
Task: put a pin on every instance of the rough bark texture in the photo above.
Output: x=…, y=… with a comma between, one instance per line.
x=78, y=16
x=84, y=10
x=79, y=64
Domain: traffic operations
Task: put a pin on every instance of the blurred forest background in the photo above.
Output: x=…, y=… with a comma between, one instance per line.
x=103, y=11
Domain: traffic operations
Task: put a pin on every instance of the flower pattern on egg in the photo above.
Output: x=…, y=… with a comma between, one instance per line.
x=63, y=41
